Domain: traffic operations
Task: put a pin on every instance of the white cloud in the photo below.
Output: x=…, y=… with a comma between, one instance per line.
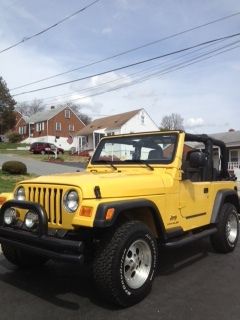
x=107, y=30
x=194, y=123
x=111, y=80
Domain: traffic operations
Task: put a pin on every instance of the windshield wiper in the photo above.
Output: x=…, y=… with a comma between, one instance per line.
x=141, y=162
x=106, y=162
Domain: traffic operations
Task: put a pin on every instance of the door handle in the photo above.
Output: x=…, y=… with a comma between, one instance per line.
x=205, y=190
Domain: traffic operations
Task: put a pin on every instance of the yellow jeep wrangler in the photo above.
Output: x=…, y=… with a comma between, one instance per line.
x=138, y=191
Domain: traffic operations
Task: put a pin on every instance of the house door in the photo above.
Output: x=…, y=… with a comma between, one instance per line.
x=97, y=138
x=82, y=143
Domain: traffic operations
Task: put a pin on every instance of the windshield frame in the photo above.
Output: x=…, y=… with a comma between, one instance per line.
x=108, y=139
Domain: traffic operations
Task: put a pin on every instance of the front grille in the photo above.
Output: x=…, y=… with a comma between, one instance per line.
x=50, y=198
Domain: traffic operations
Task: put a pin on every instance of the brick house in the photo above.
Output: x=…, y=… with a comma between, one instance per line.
x=57, y=125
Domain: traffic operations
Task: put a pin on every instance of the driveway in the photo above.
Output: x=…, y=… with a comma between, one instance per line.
x=193, y=283
x=40, y=167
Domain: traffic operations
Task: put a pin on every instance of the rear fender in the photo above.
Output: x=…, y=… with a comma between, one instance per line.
x=223, y=196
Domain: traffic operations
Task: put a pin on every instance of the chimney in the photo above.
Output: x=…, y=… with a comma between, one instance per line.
x=52, y=107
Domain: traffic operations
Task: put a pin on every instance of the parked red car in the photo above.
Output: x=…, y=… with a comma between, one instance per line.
x=45, y=148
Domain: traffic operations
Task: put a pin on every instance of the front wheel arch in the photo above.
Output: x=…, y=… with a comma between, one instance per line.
x=141, y=209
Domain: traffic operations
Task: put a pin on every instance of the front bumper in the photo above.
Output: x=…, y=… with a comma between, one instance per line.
x=40, y=243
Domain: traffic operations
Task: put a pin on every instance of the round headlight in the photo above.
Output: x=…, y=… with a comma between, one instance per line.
x=71, y=201
x=10, y=216
x=31, y=219
x=20, y=194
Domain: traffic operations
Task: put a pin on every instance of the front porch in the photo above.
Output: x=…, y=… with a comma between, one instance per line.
x=233, y=164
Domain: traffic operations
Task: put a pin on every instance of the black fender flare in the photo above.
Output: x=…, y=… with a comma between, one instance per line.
x=119, y=206
x=225, y=195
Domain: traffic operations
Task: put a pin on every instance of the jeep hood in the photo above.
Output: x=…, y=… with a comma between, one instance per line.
x=112, y=185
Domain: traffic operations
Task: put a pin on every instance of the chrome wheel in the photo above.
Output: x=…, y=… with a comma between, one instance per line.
x=137, y=264
x=232, y=228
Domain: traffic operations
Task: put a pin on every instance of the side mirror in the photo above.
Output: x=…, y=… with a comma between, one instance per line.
x=197, y=159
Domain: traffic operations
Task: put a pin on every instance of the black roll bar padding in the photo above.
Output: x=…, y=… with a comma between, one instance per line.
x=209, y=142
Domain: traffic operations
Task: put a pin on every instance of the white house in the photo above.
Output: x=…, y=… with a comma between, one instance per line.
x=128, y=122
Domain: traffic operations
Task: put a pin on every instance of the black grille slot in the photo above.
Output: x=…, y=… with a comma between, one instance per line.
x=34, y=194
x=60, y=206
x=55, y=206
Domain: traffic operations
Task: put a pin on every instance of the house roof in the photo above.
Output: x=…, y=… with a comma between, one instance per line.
x=111, y=122
x=45, y=115
x=230, y=138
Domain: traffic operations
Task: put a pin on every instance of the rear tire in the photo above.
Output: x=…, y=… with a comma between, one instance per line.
x=126, y=263
x=225, y=240
x=22, y=258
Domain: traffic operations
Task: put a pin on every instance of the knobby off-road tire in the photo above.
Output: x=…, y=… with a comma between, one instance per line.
x=225, y=240
x=125, y=264
x=22, y=258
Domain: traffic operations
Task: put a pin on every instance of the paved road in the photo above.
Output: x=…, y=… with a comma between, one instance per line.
x=41, y=167
x=193, y=284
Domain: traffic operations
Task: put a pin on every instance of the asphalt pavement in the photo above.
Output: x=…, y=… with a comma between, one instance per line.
x=193, y=283
x=41, y=167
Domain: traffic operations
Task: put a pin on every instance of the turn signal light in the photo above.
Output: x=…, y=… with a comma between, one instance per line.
x=86, y=211
x=109, y=214
x=2, y=200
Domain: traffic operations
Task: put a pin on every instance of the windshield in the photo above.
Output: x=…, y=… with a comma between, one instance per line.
x=148, y=148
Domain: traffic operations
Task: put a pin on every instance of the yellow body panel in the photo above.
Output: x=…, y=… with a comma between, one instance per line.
x=5, y=196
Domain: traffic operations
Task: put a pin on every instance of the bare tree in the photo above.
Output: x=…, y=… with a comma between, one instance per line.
x=172, y=122
x=30, y=108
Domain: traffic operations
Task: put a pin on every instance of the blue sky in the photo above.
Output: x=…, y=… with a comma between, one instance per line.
x=206, y=94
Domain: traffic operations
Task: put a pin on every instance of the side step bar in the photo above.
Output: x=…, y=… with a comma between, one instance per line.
x=175, y=243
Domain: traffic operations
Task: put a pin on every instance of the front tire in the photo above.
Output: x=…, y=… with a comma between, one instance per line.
x=22, y=258
x=225, y=240
x=126, y=263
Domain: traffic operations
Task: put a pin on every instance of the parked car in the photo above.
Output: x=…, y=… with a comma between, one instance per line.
x=45, y=148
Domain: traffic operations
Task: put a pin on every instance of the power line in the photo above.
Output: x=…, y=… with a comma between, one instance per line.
x=169, y=69
x=130, y=50
x=160, y=74
x=77, y=91
x=130, y=65
x=50, y=27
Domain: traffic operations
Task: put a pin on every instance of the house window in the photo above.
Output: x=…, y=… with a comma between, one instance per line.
x=234, y=156
x=142, y=118
x=58, y=126
x=40, y=126
x=67, y=114
x=71, y=127
x=22, y=130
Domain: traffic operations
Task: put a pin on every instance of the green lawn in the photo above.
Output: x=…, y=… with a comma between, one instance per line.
x=8, y=145
x=8, y=181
